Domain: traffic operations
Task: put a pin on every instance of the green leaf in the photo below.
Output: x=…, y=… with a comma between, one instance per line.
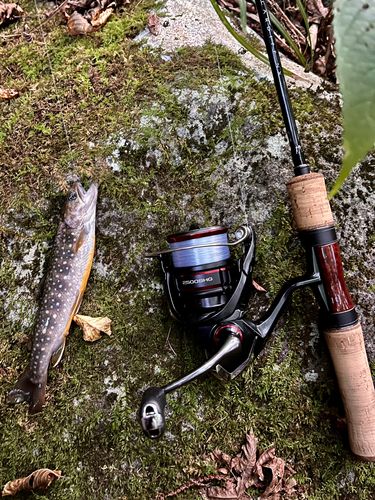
x=291, y=43
x=240, y=39
x=302, y=11
x=354, y=24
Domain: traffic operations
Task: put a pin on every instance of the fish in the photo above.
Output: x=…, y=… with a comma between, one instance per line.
x=65, y=283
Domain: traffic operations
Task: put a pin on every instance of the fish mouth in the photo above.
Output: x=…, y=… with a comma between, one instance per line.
x=87, y=198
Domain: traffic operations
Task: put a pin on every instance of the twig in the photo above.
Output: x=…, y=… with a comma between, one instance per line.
x=193, y=483
x=300, y=38
x=51, y=15
x=169, y=344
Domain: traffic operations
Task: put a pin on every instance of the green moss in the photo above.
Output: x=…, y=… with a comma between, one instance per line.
x=107, y=89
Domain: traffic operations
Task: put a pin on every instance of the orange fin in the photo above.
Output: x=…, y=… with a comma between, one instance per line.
x=58, y=354
x=80, y=240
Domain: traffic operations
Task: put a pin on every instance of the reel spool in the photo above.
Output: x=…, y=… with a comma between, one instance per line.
x=201, y=267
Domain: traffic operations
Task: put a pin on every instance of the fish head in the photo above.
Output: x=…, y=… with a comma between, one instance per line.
x=80, y=206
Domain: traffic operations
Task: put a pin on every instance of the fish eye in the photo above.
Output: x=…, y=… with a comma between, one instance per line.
x=72, y=196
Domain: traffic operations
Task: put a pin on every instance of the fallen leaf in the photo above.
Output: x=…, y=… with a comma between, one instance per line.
x=243, y=471
x=99, y=18
x=7, y=94
x=258, y=287
x=221, y=457
x=316, y=10
x=9, y=12
x=92, y=327
x=78, y=25
x=277, y=467
x=39, y=479
x=265, y=457
x=228, y=491
x=247, y=458
x=153, y=24
x=289, y=486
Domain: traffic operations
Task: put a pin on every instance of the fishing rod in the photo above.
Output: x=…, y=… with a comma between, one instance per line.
x=315, y=224
x=208, y=291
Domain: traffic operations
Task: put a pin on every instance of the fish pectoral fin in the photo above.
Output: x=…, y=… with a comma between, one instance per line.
x=81, y=238
x=57, y=355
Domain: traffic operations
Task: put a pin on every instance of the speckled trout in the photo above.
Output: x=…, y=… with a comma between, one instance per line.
x=64, y=286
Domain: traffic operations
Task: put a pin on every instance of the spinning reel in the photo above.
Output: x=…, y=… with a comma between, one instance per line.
x=208, y=291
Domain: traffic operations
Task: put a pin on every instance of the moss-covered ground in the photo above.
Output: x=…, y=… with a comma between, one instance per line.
x=106, y=108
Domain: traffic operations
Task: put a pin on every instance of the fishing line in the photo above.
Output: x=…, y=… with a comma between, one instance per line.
x=226, y=108
x=199, y=256
x=46, y=51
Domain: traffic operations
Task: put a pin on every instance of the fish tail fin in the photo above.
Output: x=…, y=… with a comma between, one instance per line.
x=29, y=391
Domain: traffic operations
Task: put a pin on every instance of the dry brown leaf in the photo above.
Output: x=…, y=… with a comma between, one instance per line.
x=243, y=471
x=289, y=486
x=99, y=18
x=277, y=466
x=9, y=12
x=228, y=492
x=265, y=457
x=221, y=457
x=153, y=24
x=317, y=10
x=258, y=287
x=7, y=94
x=39, y=479
x=248, y=456
x=92, y=327
x=78, y=25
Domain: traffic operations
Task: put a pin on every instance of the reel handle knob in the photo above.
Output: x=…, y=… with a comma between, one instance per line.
x=151, y=413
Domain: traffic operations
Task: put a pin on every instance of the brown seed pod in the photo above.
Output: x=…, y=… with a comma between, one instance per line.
x=39, y=479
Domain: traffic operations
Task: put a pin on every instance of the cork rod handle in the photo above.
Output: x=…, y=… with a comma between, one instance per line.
x=312, y=212
x=349, y=358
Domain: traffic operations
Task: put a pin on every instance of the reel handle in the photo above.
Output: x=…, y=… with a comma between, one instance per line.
x=152, y=410
x=344, y=337
x=151, y=413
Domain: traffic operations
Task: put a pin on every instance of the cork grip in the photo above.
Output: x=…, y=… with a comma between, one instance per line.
x=349, y=358
x=309, y=200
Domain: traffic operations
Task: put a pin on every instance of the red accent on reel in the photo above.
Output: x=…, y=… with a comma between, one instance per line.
x=229, y=326
x=197, y=233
